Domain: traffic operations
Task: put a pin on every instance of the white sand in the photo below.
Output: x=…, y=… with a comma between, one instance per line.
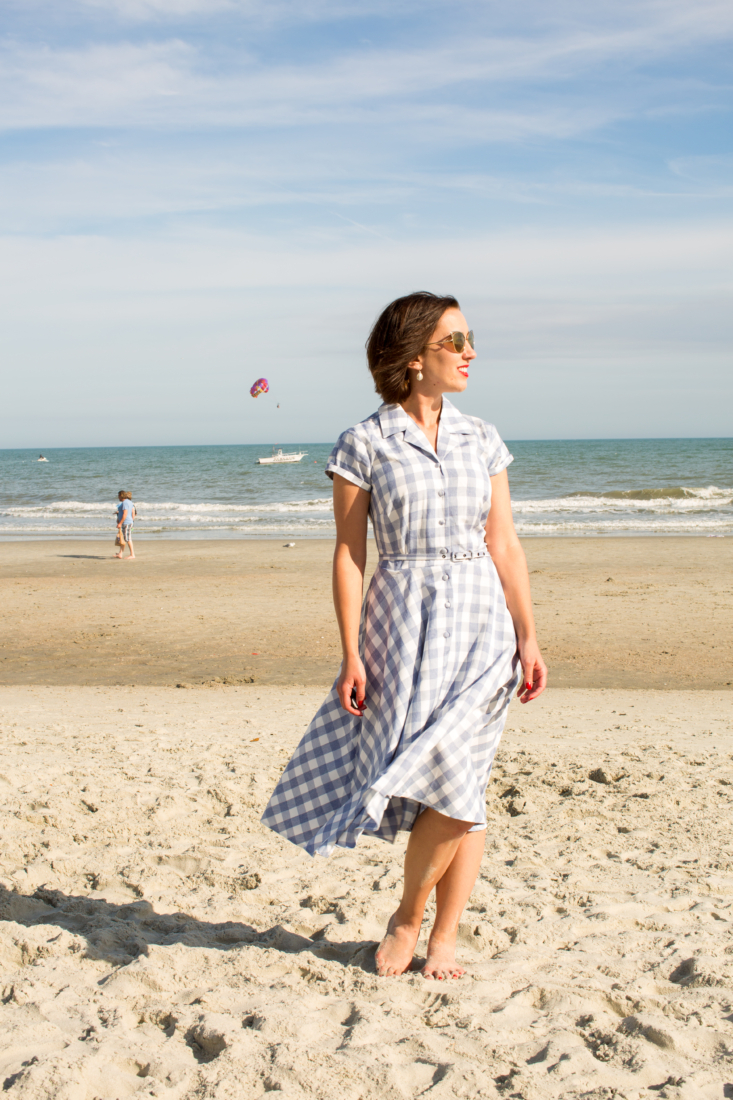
x=158, y=941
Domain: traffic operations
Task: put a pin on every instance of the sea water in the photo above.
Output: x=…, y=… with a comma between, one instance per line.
x=575, y=487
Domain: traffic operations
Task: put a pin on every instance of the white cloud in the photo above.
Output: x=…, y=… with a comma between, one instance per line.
x=116, y=187
x=631, y=264
x=98, y=85
x=669, y=19
x=267, y=11
x=176, y=84
x=161, y=84
x=714, y=174
x=157, y=9
x=111, y=186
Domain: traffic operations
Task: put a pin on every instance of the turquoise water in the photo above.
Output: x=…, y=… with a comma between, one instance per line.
x=576, y=487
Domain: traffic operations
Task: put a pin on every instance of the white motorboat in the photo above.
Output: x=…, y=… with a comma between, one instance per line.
x=279, y=456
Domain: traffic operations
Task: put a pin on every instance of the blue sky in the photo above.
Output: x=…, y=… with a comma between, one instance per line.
x=195, y=193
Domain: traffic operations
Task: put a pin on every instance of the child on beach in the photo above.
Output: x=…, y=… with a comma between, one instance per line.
x=126, y=513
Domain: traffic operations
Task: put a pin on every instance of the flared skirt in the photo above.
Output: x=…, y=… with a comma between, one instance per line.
x=440, y=654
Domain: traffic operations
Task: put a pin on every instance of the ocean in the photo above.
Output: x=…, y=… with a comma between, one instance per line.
x=574, y=487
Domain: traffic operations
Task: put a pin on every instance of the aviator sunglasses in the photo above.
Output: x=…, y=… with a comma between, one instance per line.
x=458, y=339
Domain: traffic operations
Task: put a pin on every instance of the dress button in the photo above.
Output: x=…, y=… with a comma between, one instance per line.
x=441, y=522
x=446, y=634
x=441, y=492
x=446, y=577
x=447, y=603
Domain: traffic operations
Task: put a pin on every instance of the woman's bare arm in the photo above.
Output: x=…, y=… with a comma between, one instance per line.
x=351, y=508
x=511, y=565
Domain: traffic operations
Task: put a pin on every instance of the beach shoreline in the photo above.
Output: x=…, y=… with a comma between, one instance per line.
x=238, y=536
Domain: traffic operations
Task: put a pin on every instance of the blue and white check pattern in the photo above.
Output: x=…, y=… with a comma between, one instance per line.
x=437, y=640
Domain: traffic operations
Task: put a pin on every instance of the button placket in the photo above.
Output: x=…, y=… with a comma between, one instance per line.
x=442, y=522
x=448, y=623
x=448, y=603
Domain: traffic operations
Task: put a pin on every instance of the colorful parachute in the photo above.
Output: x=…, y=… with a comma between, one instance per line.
x=260, y=386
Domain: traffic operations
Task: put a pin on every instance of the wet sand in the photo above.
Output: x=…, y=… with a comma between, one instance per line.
x=647, y=613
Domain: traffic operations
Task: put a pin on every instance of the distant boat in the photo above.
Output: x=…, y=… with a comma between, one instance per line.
x=42, y=459
x=277, y=457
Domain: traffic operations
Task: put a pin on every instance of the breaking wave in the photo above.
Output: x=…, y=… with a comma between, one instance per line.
x=148, y=510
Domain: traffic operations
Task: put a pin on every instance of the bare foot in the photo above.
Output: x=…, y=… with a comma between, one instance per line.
x=131, y=558
x=441, y=961
x=118, y=556
x=394, y=954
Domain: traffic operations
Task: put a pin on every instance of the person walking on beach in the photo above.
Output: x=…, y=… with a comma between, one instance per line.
x=407, y=736
x=126, y=513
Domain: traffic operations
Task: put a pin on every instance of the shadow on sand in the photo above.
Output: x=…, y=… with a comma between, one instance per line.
x=119, y=933
x=88, y=557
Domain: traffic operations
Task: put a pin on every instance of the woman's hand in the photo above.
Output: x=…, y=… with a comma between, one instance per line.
x=352, y=678
x=511, y=565
x=534, y=670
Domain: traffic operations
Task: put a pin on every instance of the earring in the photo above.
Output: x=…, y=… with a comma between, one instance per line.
x=418, y=376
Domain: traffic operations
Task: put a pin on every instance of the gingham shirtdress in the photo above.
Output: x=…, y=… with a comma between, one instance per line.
x=436, y=639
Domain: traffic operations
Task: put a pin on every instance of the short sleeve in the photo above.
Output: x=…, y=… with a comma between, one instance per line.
x=351, y=458
x=497, y=453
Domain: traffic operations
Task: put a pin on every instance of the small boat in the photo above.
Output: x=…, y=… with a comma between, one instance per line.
x=42, y=458
x=278, y=456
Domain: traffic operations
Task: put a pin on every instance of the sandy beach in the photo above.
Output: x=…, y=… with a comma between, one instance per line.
x=611, y=612
x=157, y=941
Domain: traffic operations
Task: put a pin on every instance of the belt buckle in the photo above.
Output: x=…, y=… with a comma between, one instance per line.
x=462, y=555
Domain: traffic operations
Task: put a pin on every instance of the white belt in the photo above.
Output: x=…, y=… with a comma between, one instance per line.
x=438, y=555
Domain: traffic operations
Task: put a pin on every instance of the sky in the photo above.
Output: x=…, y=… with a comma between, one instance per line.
x=197, y=193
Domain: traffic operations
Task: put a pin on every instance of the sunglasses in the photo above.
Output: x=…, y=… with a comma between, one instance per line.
x=458, y=340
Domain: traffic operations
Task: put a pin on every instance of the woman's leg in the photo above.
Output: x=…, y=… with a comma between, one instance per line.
x=451, y=895
x=129, y=543
x=433, y=844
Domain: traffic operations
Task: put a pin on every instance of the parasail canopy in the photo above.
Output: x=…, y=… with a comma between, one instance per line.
x=260, y=386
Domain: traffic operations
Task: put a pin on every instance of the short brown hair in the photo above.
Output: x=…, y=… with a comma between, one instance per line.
x=124, y=495
x=399, y=335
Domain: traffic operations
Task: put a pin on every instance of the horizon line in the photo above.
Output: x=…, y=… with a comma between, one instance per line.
x=327, y=443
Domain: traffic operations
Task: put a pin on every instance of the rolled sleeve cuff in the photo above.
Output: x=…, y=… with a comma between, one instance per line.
x=348, y=475
x=501, y=464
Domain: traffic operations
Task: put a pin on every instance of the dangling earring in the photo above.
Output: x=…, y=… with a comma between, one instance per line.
x=418, y=376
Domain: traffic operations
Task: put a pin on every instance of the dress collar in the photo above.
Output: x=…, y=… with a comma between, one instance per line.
x=393, y=419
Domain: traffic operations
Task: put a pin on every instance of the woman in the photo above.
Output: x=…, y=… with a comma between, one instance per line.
x=408, y=734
